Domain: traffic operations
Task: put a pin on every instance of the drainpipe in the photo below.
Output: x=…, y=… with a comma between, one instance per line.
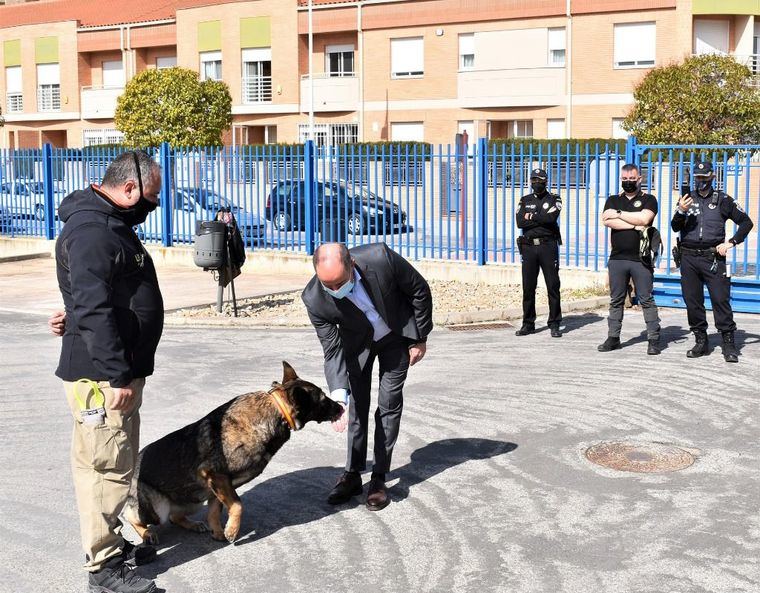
x=311, y=75
x=123, y=50
x=569, y=67
x=360, y=63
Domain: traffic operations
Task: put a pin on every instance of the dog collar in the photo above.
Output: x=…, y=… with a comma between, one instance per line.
x=283, y=408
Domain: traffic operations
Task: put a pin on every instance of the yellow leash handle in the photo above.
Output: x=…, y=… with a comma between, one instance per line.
x=100, y=399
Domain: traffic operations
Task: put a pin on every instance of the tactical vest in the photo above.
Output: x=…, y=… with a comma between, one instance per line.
x=705, y=225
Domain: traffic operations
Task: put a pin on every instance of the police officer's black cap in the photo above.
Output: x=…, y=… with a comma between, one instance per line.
x=702, y=168
x=539, y=174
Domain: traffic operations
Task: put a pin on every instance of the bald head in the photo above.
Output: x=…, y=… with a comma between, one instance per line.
x=333, y=265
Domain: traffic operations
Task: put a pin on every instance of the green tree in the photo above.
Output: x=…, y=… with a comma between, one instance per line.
x=172, y=105
x=706, y=99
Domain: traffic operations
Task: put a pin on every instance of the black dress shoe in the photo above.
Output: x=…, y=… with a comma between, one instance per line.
x=609, y=344
x=348, y=486
x=377, y=495
x=525, y=330
x=556, y=332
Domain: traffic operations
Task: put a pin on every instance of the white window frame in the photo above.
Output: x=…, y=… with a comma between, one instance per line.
x=627, y=40
x=14, y=89
x=520, y=128
x=208, y=57
x=121, y=80
x=94, y=136
x=466, y=52
x=556, y=43
x=404, y=62
x=48, y=87
x=168, y=62
x=256, y=88
x=330, y=134
x=559, y=121
x=341, y=50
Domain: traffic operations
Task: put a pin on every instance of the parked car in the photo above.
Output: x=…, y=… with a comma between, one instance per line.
x=191, y=204
x=362, y=210
x=23, y=198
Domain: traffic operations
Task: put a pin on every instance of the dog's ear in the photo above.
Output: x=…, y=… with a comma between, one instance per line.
x=288, y=374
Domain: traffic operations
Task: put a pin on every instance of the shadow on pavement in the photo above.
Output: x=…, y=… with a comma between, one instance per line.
x=300, y=497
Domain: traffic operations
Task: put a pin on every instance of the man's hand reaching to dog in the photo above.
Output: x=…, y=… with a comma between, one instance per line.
x=340, y=424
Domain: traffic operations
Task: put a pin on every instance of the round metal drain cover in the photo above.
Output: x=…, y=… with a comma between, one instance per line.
x=640, y=457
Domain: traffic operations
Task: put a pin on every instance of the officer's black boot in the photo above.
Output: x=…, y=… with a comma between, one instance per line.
x=527, y=328
x=700, y=347
x=556, y=332
x=730, y=353
x=609, y=344
x=654, y=347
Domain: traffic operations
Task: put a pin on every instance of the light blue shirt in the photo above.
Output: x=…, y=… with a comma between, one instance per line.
x=359, y=297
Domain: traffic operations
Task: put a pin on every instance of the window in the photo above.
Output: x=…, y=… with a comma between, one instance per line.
x=520, y=128
x=617, y=128
x=48, y=87
x=13, y=89
x=408, y=132
x=93, y=137
x=555, y=128
x=339, y=60
x=557, y=47
x=257, y=75
x=467, y=51
x=166, y=62
x=113, y=74
x=330, y=134
x=211, y=65
x=634, y=45
x=407, y=57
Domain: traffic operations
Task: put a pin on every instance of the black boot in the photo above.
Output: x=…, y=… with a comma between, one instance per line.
x=609, y=345
x=730, y=353
x=527, y=328
x=654, y=347
x=556, y=332
x=700, y=346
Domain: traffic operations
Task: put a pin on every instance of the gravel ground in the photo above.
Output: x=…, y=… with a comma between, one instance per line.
x=448, y=296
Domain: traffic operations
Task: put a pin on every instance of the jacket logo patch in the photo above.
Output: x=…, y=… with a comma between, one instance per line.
x=546, y=205
x=140, y=259
x=711, y=206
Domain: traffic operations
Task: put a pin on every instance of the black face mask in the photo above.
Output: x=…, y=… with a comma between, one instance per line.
x=144, y=206
x=538, y=187
x=630, y=186
x=704, y=185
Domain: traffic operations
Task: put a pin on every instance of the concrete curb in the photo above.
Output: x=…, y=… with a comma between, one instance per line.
x=24, y=257
x=442, y=319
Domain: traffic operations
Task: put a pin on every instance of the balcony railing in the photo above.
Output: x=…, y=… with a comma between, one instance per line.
x=257, y=89
x=99, y=102
x=15, y=102
x=331, y=93
x=49, y=97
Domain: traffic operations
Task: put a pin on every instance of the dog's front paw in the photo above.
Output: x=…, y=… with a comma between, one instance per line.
x=231, y=532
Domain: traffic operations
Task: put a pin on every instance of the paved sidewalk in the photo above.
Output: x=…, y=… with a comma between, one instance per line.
x=491, y=490
x=30, y=286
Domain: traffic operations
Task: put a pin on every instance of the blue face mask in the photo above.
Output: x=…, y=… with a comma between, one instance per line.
x=343, y=291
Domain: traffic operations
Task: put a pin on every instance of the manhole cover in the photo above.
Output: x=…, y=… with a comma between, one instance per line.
x=640, y=457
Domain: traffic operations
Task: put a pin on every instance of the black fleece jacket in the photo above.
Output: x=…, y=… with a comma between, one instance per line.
x=114, y=309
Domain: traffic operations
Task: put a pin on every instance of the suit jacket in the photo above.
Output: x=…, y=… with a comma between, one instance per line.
x=399, y=293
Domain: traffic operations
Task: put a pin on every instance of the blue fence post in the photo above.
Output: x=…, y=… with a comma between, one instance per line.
x=308, y=173
x=47, y=184
x=481, y=208
x=165, y=160
x=630, y=150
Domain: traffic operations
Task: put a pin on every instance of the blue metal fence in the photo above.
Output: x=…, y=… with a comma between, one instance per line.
x=439, y=202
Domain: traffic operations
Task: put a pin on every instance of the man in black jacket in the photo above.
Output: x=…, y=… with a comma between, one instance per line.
x=539, y=244
x=701, y=219
x=111, y=328
x=367, y=303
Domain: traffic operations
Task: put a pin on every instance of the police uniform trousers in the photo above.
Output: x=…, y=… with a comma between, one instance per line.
x=696, y=272
x=544, y=257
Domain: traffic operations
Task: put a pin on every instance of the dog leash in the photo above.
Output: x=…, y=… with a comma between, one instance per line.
x=282, y=407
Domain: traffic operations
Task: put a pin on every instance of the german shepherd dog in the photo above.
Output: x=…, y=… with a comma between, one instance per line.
x=206, y=460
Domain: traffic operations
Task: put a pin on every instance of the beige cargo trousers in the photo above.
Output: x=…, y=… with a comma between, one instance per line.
x=103, y=458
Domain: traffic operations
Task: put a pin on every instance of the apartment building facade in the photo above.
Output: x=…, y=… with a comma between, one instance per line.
x=375, y=69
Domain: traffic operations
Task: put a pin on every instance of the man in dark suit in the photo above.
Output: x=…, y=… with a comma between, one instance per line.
x=367, y=303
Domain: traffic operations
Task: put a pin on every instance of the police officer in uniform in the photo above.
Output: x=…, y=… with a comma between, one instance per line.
x=701, y=219
x=539, y=247
x=627, y=214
